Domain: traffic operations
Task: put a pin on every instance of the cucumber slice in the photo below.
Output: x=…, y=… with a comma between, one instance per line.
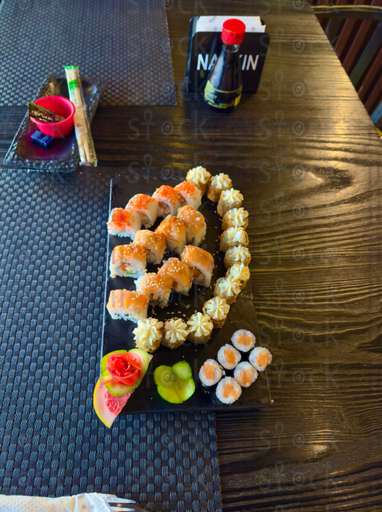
x=186, y=389
x=118, y=389
x=143, y=356
x=170, y=395
x=165, y=377
x=182, y=370
x=175, y=384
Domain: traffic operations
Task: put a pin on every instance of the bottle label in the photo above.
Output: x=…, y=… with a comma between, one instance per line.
x=221, y=99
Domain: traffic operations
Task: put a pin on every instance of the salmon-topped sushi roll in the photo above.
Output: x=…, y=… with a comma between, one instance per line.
x=229, y=357
x=127, y=305
x=179, y=272
x=243, y=340
x=200, y=262
x=260, y=358
x=156, y=287
x=228, y=390
x=124, y=222
x=210, y=373
x=128, y=261
x=169, y=200
x=174, y=230
x=154, y=243
x=191, y=193
x=146, y=207
x=245, y=374
x=196, y=224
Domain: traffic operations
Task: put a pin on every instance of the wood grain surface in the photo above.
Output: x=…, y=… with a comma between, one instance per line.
x=308, y=160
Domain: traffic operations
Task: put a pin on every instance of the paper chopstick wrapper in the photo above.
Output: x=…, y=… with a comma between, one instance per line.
x=92, y=502
x=81, y=121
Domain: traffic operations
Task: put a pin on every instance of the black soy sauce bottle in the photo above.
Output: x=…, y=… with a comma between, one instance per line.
x=224, y=84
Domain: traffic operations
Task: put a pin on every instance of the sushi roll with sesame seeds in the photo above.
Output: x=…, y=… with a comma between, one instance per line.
x=190, y=193
x=157, y=288
x=229, y=357
x=196, y=224
x=233, y=237
x=228, y=390
x=128, y=261
x=169, y=200
x=179, y=272
x=146, y=207
x=229, y=199
x=153, y=243
x=260, y=358
x=200, y=177
x=127, y=305
x=201, y=264
x=174, y=230
x=245, y=374
x=243, y=340
x=217, y=185
x=124, y=222
x=210, y=373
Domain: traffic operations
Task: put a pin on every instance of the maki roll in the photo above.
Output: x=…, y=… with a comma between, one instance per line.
x=227, y=288
x=238, y=254
x=243, y=340
x=179, y=272
x=146, y=207
x=235, y=218
x=124, y=222
x=154, y=243
x=169, y=200
x=175, y=333
x=233, y=237
x=216, y=186
x=229, y=199
x=128, y=261
x=229, y=357
x=200, y=262
x=126, y=305
x=228, y=390
x=190, y=193
x=245, y=374
x=174, y=230
x=210, y=373
x=260, y=358
x=200, y=177
x=240, y=272
x=195, y=223
x=200, y=328
x=217, y=309
x=148, y=334
x=157, y=288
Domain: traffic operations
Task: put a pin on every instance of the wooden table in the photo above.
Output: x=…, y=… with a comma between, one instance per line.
x=309, y=160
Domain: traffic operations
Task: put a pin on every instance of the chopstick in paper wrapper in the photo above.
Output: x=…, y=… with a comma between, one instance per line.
x=81, y=122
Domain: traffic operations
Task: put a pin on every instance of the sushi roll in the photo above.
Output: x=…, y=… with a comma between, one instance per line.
x=126, y=305
x=174, y=230
x=169, y=200
x=200, y=328
x=157, y=288
x=260, y=358
x=154, y=243
x=179, y=272
x=200, y=177
x=227, y=288
x=229, y=357
x=245, y=374
x=201, y=264
x=235, y=218
x=195, y=223
x=228, y=390
x=210, y=373
x=240, y=272
x=146, y=207
x=148, y=334
x=243, y=340
x=233, y=237
x=216, y=186
x=124, y=222
x=175, y=333
x=229, y=199
x=217, y=309
x=128, y=261
x=239, y=254
x=190, y=193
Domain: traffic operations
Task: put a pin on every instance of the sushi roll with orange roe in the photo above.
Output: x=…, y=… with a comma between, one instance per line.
x=229, y=357
x=146, y=207
x=245, y=374
x=260, y=358
x=243, y=340
x=210, y=373
x=196, y=224
x=190, y=193
x=128, y=261
x=174, y=230
x=169, y=200
x=127, y=305
x=157, y=288
x=153, y=243
x=124, y=222
x=200, y=262
x=179, y=272
x=228, y=390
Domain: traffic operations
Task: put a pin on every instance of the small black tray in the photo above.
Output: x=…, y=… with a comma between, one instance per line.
x=118, y=334
x=62, y=154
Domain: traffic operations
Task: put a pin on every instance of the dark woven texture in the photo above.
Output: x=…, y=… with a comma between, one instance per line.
x=123, y=41
x=52, y=272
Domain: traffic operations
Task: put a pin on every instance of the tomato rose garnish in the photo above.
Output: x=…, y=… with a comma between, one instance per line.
x=124, y=368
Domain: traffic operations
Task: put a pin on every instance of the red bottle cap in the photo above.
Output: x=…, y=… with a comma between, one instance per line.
x=233, y=31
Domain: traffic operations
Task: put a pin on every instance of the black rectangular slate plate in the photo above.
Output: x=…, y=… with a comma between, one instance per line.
x=118, y=334
x=62, y=154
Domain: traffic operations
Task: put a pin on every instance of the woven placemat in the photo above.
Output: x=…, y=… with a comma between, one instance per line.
x=124, y=42
x=52, y=271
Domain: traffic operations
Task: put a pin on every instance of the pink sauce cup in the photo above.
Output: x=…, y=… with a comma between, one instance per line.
x=62, y=107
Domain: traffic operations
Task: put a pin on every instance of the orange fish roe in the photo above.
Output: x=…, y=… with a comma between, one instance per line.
x=187, y=187
x=140, y=201
x=120, y=218
x=168, y=193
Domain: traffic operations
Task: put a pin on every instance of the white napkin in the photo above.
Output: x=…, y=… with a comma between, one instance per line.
x=92, y=502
